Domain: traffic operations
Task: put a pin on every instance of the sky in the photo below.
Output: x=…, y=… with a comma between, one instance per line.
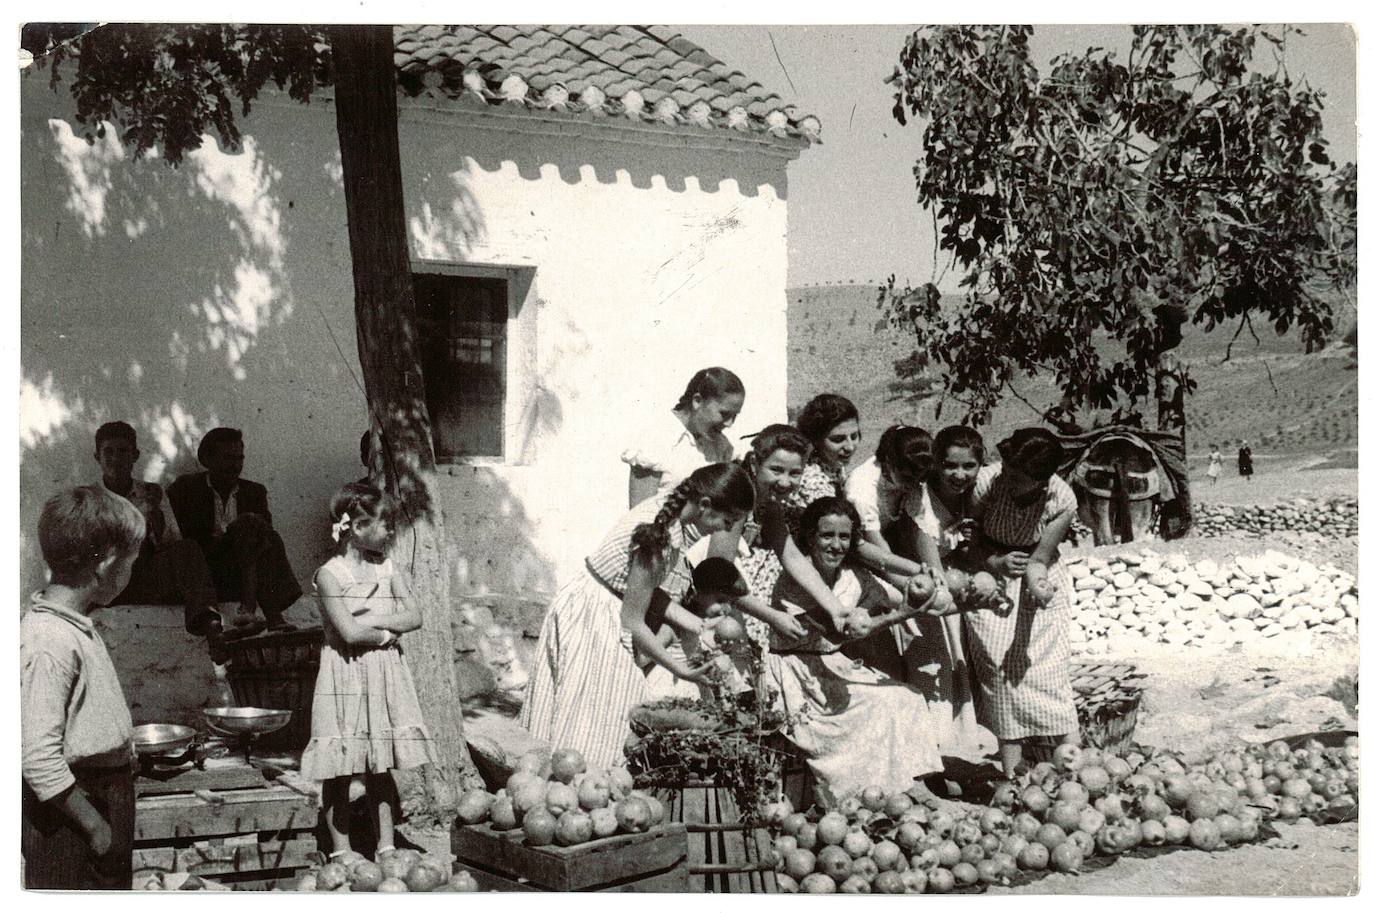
x=852, y=210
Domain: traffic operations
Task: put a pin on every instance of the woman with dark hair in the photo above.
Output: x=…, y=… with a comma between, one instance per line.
x=858, y=726
x=1020, y=654
x=690, y=436
x=886, y=489
x=831, y=423
x=596, y=647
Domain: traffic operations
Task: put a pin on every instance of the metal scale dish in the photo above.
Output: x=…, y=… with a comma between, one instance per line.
x=245, y=724
x=167, y=745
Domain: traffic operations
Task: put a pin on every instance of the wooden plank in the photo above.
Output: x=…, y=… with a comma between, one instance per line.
x=571, y=868
x=214, y=860
x=162, y=818
x=161, y=783
x=673, y=881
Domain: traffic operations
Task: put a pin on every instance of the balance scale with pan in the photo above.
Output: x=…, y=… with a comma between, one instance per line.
x=245, y=724
x=167, y=746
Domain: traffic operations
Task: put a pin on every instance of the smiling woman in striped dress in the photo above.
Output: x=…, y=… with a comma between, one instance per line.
x=595, y=646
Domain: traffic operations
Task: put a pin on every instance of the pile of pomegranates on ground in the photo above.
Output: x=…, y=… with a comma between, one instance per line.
x=555, y=799
x=1083, y=804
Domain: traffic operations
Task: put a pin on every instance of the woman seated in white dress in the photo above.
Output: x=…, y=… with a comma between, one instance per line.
x=687, y=437
x=858, y=727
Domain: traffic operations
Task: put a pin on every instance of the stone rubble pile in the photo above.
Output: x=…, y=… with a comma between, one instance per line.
x=1271, y=601
x=1337, y=517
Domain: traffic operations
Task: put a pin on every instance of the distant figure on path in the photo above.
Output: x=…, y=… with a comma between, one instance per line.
x=1214, y=464
x=1244, y=463
x=229, y=519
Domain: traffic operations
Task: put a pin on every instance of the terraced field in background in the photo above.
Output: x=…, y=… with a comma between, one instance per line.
x=1285, y=403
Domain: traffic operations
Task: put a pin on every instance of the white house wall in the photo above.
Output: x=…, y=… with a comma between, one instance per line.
x=221, y=293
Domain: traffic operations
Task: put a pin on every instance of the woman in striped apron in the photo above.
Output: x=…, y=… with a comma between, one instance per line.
x=1020, y=654
x=595, y=645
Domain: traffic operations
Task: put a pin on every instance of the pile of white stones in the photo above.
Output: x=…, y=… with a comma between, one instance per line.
x=1337, y=517
x=1270, y=601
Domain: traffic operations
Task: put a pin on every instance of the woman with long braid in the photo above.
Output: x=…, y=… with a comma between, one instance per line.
x=595, y=646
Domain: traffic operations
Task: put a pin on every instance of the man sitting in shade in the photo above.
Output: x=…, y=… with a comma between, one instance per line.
x=228, y=517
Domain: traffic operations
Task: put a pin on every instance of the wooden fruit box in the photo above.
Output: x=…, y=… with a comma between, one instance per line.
x=233, y=825
x=652, y=862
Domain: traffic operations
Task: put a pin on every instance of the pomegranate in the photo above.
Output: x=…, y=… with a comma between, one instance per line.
x=622, y=782
x=920, y=587
x=1004, y=797
x=503, y=815
x=873, y=798
x=818, y=883
x=520, y=779
x=973, y=853
x=604, y=821
x=531, y=762
x=463, y=881
x=793, y=823
x=994, y=821
x=595, y=791
x=1068, y=758
x=392, y=886
x=957, y=582
x=1090, y=821
x=889, y=883
x=966, y=831
x=1066, y=857
x=909, y=835
x=1050, y=836
x=865, y=868
x=1175, y=829
x=528, y=796
x=1113, y=840
x=949, y=854
x=1033, y=857
x=983, y=587
x=856, y=843
x=856, y=885
x=1013, y=844
x=1006, y=863
x=394, y=866
x=799, y=864
x=965, y=874
x=862, y=817
x=1204, y=835
x=330, y=876
x=1202, y=805
x=567, y=763
x=475, y=806
x=989, y=871
x=574, y=828
x=1153, y=808
x=1254, y=788
x=540, y=826
x=783, y=844
x=832, y=828
x=1297, y=788
x=835, y=862
x=989, y=843
x=914, y=880
x=928, y=860
x=1272, y=784
x=1117, y=769
x=1074, y=793
x=1026, y=825
x=1035, y=800
x=1066, y=815
x=897, y=805
x=1092, y=756
x=632, y=815
x=1086, y=843
x=786, y=883
x=424, y=877
x=560, y=798
x=808, y=836
x=657, y=810
x=1111, y=807
x=1228, y=827
x=1095, y=779
x=1152, y=832
x=365, y=876
x=888, y=856
x=940, y=881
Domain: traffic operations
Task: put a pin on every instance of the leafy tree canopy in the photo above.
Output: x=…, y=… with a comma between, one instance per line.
x=1115, y=198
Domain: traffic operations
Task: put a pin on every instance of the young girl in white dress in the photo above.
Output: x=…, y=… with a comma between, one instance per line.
x=365, y=718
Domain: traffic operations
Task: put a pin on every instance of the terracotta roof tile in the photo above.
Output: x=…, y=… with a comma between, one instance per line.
x=653, y=60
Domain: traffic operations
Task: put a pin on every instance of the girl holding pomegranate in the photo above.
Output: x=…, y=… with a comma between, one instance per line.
x=689, y=437
x=858, y=726
x=365, y=719
x=595, y=640
x=1023, y=511
x=938, y=664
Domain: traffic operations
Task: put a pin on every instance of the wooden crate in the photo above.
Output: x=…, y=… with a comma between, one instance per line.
x=724, y=855
x=231, y=824
x=652, y=862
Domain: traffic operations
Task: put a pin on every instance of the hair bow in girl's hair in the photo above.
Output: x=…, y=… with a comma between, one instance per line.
x=343, y=525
